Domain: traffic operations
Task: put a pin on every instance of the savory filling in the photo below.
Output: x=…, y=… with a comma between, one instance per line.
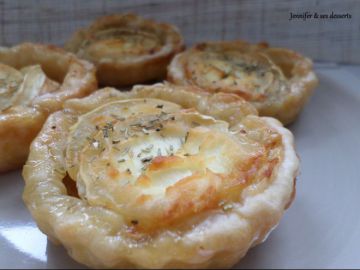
x=156, y=163
x=251, y=75
x=20, y=87
x=124, y=43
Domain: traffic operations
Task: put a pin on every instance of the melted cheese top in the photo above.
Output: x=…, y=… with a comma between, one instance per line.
x=121, y=42
x=156, y=163
x=125, y=38
x=20, y=87
x=250, y=74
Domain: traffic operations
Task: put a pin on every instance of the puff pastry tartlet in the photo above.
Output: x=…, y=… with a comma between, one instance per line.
x=127, y=49
x=165, y=178
x=35, y=80
x=276, y=81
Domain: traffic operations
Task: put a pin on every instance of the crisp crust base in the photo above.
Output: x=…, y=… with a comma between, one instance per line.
x=115, y=70
x=297, y=72
x=20, y=124
x=217, y=239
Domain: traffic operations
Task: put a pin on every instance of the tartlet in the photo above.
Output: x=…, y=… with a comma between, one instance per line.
x=159, y=177
x=35, y=80
x=127, y=49
x=277, y=81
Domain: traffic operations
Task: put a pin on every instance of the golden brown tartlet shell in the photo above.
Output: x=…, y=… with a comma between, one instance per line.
x=217, y=238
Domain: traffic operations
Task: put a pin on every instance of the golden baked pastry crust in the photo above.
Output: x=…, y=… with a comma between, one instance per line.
x=160, y=184
x=127, y=49
x=35, y=80
x=277, y=81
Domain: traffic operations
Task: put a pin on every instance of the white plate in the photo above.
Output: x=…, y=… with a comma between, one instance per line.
x=321, y=229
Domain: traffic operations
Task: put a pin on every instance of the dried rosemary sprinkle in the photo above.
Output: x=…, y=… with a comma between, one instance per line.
x=159, y=106
x=250, y=68
x=93, y=142
x=105, y=132
x=186, y=136
x=227, y=207
x=145, y=131
x=147, y=149
x=146, y=159
x=134, y=222
x=110, y=126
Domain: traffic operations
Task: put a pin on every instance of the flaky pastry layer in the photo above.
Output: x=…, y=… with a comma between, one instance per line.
x=165, y=177
x=127, y=49
x=35, y=80
x=276, y=81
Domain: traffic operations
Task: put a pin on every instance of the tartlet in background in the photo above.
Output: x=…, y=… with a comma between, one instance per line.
x=277, y=81
x=127, y=49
